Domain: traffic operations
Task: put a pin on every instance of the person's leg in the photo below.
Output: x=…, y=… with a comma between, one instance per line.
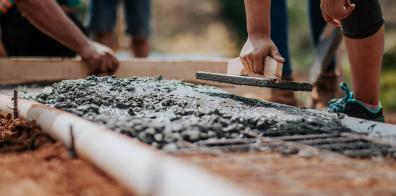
x=102, y=20
x=365, y=58
x=140, y=47
x=365, y=45
x=325, y=87
x=138, y=15
x=317, y=25
x=364, y=38
x=279, y=34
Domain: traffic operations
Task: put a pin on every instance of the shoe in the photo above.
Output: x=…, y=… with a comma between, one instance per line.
x=325, y=89
x=283, y=96
x=354, y=108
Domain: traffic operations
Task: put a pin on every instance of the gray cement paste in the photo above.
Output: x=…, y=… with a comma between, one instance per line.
x=173, y=115
x=162, y=112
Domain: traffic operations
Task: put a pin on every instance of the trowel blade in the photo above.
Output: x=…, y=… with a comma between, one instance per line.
x=253, y=81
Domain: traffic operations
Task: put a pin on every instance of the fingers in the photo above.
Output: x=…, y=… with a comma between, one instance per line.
x=259, y=64
x=245, y=63
x=248, y=62
x=94, y=67
x=348, y=11
x=103, y=66
x=105, y=63
x=331, y=20
x=334, y=13
x=349, y=4
x=113, y=64
x=276, y=55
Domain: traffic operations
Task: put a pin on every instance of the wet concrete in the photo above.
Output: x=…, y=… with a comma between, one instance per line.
x=172, y=114
x=259, y=82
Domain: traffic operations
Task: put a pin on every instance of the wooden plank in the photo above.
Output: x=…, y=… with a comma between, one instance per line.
x=28, y=70
x=24, y=70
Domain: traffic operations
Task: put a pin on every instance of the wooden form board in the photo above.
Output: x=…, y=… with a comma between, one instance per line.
x=27, y=70
x=35, y=70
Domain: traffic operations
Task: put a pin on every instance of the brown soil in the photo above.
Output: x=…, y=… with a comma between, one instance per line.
x=31, y=163
x=276, y=174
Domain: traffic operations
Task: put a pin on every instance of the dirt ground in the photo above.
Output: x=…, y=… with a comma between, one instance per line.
x=390, y=117
x=31, y=163
x=276, y=174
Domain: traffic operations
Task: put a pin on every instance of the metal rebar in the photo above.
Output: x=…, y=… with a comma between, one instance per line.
x=15, y=99
x=72, y=148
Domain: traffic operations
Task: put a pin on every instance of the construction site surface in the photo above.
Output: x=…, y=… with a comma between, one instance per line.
x=260, y=147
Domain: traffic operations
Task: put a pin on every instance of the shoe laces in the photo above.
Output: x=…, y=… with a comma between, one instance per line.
x=336, y=105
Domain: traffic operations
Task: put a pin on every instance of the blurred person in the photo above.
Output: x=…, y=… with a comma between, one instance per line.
x=103, y=17
x=362, y=25
x=326, y=86
x=22, y=39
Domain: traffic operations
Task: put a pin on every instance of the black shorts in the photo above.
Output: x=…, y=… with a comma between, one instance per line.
x=364, y=21
x=21, y=38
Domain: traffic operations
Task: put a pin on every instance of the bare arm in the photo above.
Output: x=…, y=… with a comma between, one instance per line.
x=259, y=44
x=258, y=16
x=47, y=16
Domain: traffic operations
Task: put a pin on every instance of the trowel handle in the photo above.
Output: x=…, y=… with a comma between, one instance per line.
x=272, y=69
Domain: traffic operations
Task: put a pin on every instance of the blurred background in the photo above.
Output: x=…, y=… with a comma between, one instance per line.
x=216, y=28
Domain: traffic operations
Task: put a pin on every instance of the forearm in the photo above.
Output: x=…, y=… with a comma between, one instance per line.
x=47, y=16
x=258, y=17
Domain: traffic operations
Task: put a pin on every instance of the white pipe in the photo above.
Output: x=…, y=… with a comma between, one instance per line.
x=376, y=130
x=135, y=165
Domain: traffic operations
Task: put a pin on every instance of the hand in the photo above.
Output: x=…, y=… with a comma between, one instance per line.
x=334, y=11
x=100, y=59
x=256, y=48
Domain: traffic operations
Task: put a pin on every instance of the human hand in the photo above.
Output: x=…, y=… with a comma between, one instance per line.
x=334, y=11
x=100, y=59
x=255, y=50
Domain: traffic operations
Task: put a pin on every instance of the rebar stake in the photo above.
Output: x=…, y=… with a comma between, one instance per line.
x=72, y=148
x=15, y=99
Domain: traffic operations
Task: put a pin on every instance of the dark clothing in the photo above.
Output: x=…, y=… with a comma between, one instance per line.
x=103, y=16
x=280, y=31
x=21, y=38
x=364, y=21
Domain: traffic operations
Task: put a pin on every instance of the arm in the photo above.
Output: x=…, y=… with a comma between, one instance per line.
x=259, y=44
x=47, y=16
x=258, y=17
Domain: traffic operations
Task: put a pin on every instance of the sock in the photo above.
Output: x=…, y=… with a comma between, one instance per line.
x=372, y=108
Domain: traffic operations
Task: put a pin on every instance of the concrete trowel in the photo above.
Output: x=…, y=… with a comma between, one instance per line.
x=238, y=74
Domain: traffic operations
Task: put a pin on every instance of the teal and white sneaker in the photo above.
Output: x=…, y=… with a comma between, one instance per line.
x=354, y=108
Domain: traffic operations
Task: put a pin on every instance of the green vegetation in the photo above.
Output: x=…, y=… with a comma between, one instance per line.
x=388, y=80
